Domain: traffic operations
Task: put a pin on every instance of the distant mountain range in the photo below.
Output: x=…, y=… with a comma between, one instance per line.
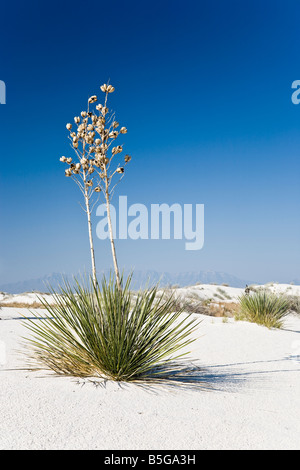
x=140, y=279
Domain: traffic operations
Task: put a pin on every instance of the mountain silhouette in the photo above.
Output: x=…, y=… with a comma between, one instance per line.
x=140, y=279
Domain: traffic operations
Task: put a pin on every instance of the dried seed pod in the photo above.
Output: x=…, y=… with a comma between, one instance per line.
x=69, y=126
x=68, y=172
x=100, y=121
x=77, y=119
x=69, y=160
x=63, y=159
x=117, y=149
x=123, y=130
x=91, y=170
x=98, y=107
x=97, y=189
x=127, y=158
x=103, y=88
x=75, y=145
x=89, y=183
x=113, y=134
x=115, y=124
x=77, y=166
x=92, y=99
x=104, y=110
x=110, y=89
x=90, y=127
x=97, y=141
x=83, y=113
x=120, y=170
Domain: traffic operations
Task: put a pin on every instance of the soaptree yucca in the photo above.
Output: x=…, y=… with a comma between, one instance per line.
x=264, y=308
x=100, y=331
x=92, y=138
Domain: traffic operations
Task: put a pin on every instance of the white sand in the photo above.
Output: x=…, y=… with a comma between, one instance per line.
x=201, y=291
x=255, y=402
x=25, y=298
x=231, y=294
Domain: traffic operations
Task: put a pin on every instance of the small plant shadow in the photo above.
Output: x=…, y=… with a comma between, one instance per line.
x=180, y=376
x=192, y=377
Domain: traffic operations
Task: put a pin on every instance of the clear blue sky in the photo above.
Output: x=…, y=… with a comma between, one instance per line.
x=204, y=88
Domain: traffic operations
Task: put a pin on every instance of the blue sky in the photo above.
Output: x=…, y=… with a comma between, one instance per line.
x=204, y=88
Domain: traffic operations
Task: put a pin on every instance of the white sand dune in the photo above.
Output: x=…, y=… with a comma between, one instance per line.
x=28, y=298
x=244, y=393
x=201, y=291
x=231, y=294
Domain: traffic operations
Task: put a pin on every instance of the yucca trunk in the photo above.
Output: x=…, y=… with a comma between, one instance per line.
x=112, y=242
x=88, y=211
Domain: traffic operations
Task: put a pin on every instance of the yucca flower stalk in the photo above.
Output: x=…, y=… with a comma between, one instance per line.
x=93, y=141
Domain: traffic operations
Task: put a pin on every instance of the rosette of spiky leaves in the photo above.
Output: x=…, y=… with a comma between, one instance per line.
x=264, y=308
x=109, y=333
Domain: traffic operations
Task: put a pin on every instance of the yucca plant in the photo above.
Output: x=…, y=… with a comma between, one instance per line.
x=105, y=332
x=264, y=308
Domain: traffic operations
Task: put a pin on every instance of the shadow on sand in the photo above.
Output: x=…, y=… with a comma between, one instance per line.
x=186, y=377
x=228, y=378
